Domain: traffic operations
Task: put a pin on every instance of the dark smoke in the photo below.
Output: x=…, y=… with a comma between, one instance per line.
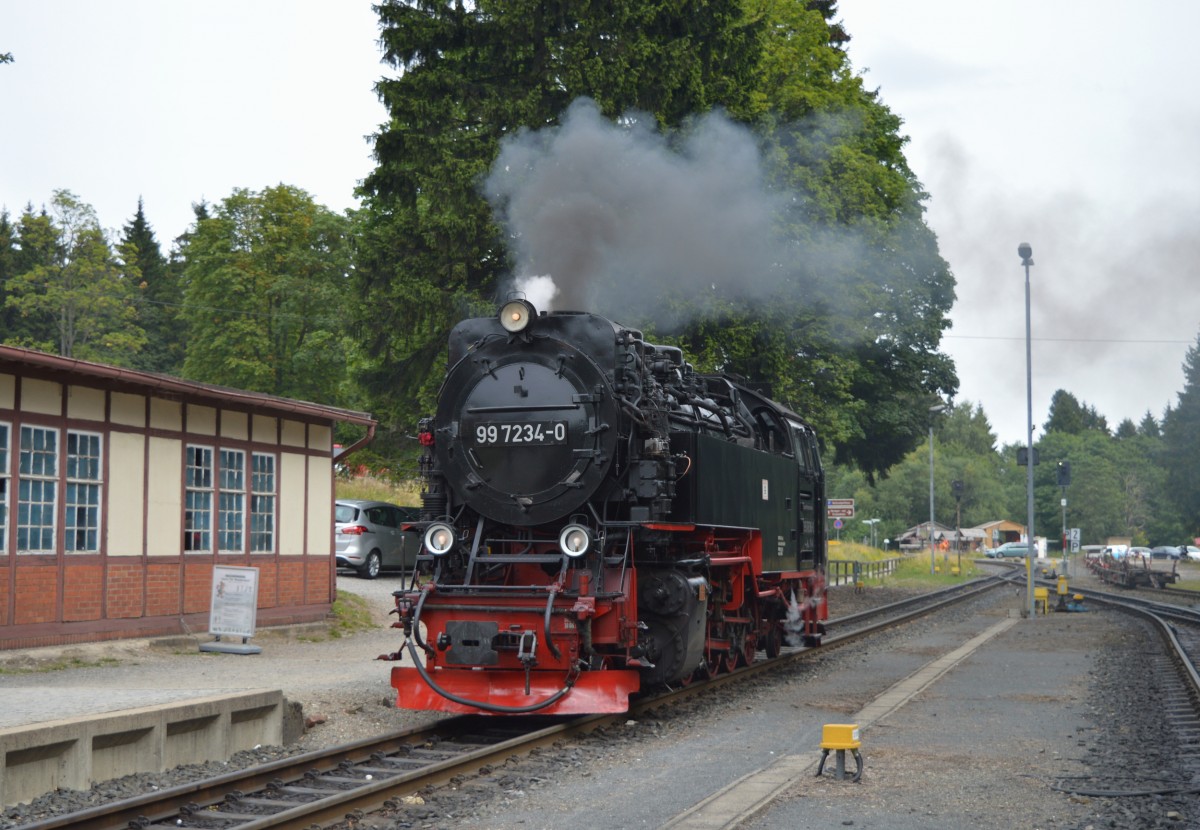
x=619, y=219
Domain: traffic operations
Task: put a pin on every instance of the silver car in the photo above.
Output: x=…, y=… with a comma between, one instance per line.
x=368, y=537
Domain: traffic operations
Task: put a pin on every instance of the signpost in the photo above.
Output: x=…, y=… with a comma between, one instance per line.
x=839, y=508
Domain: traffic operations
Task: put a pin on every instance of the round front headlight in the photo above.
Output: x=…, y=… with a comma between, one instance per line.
x=575, y=540
x=516, y=314
x=439, y=539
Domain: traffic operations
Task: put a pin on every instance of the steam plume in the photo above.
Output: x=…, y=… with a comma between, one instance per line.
x=616, y=218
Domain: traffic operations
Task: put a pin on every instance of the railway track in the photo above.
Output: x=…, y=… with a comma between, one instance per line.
x=1178, y=629
x=331, y=786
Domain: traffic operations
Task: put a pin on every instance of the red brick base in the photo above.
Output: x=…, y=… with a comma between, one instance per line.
x=44, y=603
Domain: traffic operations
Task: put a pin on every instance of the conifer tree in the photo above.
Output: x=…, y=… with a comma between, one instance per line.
x=159, y=297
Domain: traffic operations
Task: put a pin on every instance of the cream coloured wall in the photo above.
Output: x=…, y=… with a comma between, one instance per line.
x=320, y=438
x=41, y=396
x=126, y=484
x=293, y=433
x=320, y=506
x=129, y=410
x=291, y=504
x=266, y=429
x=85, y=402
x=164, y=536
x=8, y=391
x=201, y=419
x=166, y=414
x=235, y=425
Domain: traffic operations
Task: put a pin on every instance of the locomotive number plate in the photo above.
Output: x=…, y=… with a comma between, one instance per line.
x=529, y=432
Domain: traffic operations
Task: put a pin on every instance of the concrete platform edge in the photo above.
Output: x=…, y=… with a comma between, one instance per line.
x=73, y=753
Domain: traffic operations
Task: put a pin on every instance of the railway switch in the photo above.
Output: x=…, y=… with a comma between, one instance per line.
x=841, y=738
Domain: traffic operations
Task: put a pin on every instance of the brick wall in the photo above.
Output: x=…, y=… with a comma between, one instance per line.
x=128, y=597
x=162, y=590
x=317, y=580
x=197, y=587
x=36, y=594
x=291, y=582
x=125, y=589
x=83, y=590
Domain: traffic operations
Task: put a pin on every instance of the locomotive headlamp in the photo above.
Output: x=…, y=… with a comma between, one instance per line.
x=575, y=540
x=516, y=314
x=439, y=539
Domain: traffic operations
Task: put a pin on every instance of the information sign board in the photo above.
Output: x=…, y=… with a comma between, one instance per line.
x=234, y=608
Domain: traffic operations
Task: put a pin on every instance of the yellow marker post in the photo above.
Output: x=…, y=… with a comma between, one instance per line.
x=840, y=738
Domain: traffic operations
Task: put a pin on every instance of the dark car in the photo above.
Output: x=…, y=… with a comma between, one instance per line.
x=1012, y=550
x=1165, y=552
x=368, y=537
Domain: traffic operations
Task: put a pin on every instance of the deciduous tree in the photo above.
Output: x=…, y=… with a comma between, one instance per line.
x=71, y=279
x=266, y=279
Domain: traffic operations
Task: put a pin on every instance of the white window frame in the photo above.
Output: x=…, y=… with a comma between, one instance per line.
x=264, y=485
x=90, y=482
x=231, y=501
x=198, y=484
x=31, y=471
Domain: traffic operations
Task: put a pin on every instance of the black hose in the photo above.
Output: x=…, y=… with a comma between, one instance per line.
x=488, y=707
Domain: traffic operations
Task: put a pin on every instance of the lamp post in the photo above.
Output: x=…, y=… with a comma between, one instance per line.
x=1025, y=251
x=933, y=410
x=871, y=523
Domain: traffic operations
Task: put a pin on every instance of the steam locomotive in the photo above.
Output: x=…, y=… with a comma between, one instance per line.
x=599, y=518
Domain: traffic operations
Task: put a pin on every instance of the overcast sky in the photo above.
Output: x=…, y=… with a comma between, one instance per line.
x=1071, y=125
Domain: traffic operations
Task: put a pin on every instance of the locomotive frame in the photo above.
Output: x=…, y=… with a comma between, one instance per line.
x=598, y=518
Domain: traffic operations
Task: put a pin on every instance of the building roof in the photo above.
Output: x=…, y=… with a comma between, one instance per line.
x=14, y=358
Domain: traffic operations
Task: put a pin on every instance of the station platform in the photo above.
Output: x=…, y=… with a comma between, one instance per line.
x=98, y=733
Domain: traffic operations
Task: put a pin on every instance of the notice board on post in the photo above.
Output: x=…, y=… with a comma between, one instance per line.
x=234, y=609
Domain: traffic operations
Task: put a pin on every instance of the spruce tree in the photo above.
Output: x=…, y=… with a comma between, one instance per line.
x=159, y=297
x=1181, y=438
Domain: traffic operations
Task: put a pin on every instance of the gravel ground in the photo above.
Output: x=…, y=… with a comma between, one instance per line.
x=346, y=696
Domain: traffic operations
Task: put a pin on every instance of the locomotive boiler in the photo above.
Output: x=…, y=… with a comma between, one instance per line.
x=599, y=518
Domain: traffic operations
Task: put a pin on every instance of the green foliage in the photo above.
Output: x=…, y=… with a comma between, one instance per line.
x=850, y=339
x=405, y=492
x=67, y=292
x=1181, y=446
x=429, y=251
x=964, y=450
x=159, y=297
x=1068, y=415
x=265, y=277
x=350, y=614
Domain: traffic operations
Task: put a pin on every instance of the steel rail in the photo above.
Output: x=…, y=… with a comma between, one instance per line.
x=1160, y=615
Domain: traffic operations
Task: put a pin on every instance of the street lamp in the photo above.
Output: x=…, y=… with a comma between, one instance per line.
x=933, y=410
x=1026, y=253
x=871, y=523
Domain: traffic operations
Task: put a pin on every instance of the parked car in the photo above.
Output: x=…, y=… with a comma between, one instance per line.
x=368, y=537
x=1144, y=553
x=1190, y=551
x=1164, y=552
x=1012, y=550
